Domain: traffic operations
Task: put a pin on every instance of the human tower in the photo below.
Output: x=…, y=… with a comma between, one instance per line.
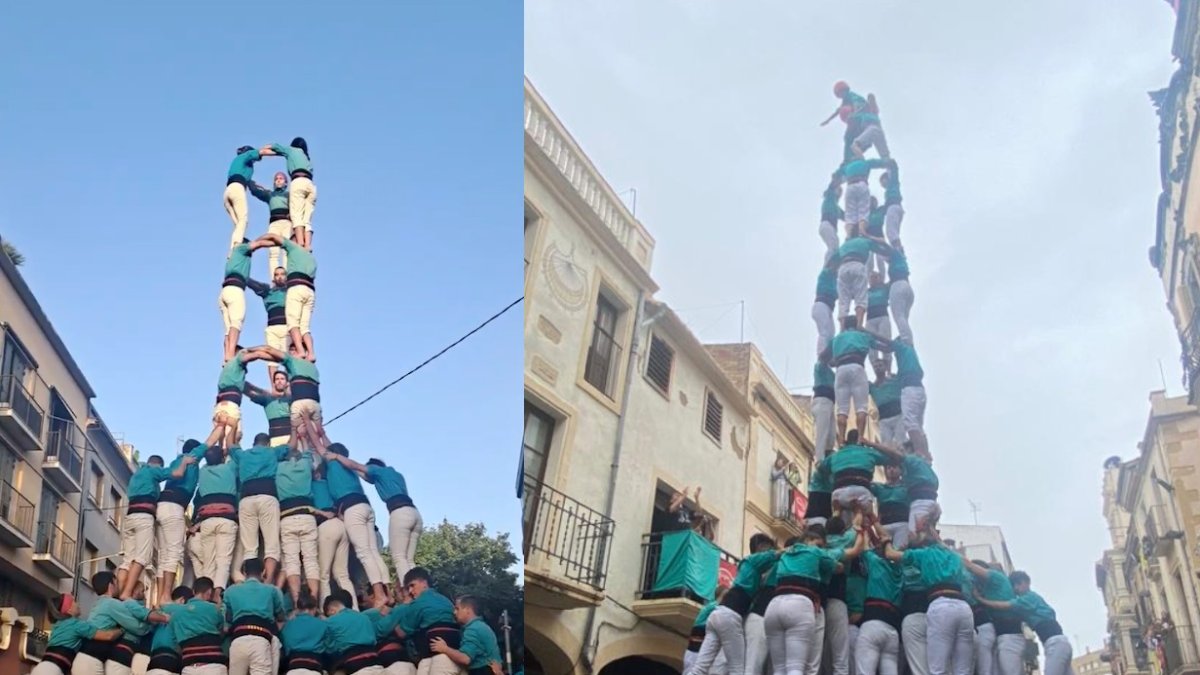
x=870, y=587
x=268, y=528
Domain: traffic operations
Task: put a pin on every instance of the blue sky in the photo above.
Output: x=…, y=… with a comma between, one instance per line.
x=118, y=126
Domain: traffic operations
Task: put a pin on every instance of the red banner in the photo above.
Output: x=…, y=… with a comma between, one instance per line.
x=799, y=504
x=726, y=571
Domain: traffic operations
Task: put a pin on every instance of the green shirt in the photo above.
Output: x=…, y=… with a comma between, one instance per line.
x=276, y=198
x=827, y=283
x=243, y=165
x=342, y=482
x=751, y=568
x=856, y=593
x=293, y=474
x=384, y=625
x=886, y=395
x=996, y=587
x=830, y=211
x=218, y=479
x=164, y=634
x=233, y=374
x=877, y=298
x=299, y=260
x=256, y=463
x=109, y=613
x=823, y=376
x=296, y=158
x=70, y=633
x=855, y=458
x=918, y=473
x=897, y=266
x=252, y=599
x=938, y=565
x=297, y=367
x=822, y=478
x=802, y=560
x=426, y=610
x=274, y=298
x=911, y=579
x=238, y=264
x=389, y=483
x=1032, y=609
x=303, y=633
x=346, y=630
x=860, y=168
x=197, y=618
x=891, y=193
x=187, y=484
x=856, y=247
x=875, y=221
x=479, y=642
x=144, y=482
x=702, y=617
x=890, y=494
x=850, y=342
x=908, y=367
x=276, y=407
x=322, y=498
x=884, y=578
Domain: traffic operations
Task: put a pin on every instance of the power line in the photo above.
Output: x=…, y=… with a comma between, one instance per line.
x=429, y=360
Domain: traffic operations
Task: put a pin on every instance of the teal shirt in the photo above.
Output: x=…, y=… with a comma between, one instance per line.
x=830, y=211
x=256, y=463
x=109, y=613
x=479, y=642
x=303, y=633
x=918, y=473
x=243, y=165
x=164, y=635
x=861, y=168
x=877, y=298
x=822, y=478
x=891, y=193
x=233, y=374
x=238, y=264
x=1032, y=609
x=218, y=479
x=802, y=560
x=388, y=482
x=911, y=579
x=855, y=458
x=197, y=618
x=296, y=158
x=897, y=266
x=299, y=261
x=322, y=497
x=252, y=599
x=856, y=247
x=827, y=283
x=70, y=633
x=856, y=594
x=751, y=568
x=187, y=484
x=938, y=565
x=346, y=630
x=276, y=198
x=276, y=407
x=384, y=625
x=851, y=342
x=296, y=367
x=884, y=578
x=342, y=482
x=996, y=587
x=702, y=617
x=908, y=367
x=144, y=482
x=886, y=395
x=823, y=376
x=274, y=298
x=426, y=610
x=875, y=221
x=293, y=475
x=890, y=494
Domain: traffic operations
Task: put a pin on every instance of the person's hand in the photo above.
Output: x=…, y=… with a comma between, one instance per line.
x=697, y=492
x=825, y=122
x=438, y=646
x=496, y=669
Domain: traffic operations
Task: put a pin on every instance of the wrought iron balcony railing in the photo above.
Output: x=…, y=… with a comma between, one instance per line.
x=16, y=510
x=652, y=554
x=66, y=445
x=576, y=537
x=53, y=540
x=17, y=397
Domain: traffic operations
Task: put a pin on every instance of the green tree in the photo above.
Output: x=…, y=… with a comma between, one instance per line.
x=13, y=254
x=466, y=560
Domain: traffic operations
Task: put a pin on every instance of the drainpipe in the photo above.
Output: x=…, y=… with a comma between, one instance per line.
x=630, y=369
x=83, y=509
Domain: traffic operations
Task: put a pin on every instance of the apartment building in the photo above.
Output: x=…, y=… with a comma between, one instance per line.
x=1148, y=577
x=1092, y=663
x=109, y=468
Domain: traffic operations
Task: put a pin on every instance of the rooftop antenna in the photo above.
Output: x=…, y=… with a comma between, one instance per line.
x=1163, y=375
x=975, y=509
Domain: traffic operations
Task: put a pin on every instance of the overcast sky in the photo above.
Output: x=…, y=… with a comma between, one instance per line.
x=1029, y=161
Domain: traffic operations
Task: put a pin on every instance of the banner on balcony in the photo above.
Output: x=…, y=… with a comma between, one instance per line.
x=689, y=561
x=726, y=573
x=799, y=505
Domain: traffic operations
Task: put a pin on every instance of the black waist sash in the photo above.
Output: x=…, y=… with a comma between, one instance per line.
x=254, y=626
x=852, y=477
x=948, y=590
x=216, y=505
x=876, y=311
x=349, y=500
x=302, y=173
x=982, y=615
x=277, y=316
x=240, y=180
x=761, y=600
x=203, y=649
x=235, y=280
x=824, y=391
x=737, y=599
x=809, y=588
x=881, y=610
x=889, y=409
x=231, y=394
x=914, y=602
x=837, y=588
x=122, y=653
x=165, y=658
x=309, y=660
x=1047, y=629
x=696, y=638
x=279, y=214
x=922, y=492
x=175, y=496
x=301, y=279
x=891, y=513
x=399, y=502
x=259, y=486
x=60, y=656
x=820, y=505
x=142, y=504
x=450, y=632
x=279, y=427
x=295, y=506
x=391, y=650
x=1006, y=623
x=851, y=358
x=97, y=649
x=829, y=300
x=304, y=389
x=854, y=257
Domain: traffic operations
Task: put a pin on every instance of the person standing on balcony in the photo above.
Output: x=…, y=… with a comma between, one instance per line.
x=1038, y=615
x=280, y=219
x=274, y=297
x=725, y=629
x=241, y=170
x=277, y=404
x=827, y=297
x=301, y=297
x=831, y=214
x=950, y=624
x=170, y=514
x=824, y=419
x=993, y=584
x=404, y=521
x=67, y=636
x=302, y=194
x=137, y=530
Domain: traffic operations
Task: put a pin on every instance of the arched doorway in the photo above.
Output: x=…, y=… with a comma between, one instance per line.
x=637, y=665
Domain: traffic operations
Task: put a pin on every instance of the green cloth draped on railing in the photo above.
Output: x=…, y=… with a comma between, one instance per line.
x=689, y=561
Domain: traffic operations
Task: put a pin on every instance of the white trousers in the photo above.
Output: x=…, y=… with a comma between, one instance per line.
x=217, y=536
x=912, y=408
x=813, y=665
x=1010, y=654
x=913, y=634
x=756, y=644
x=853, y=497
x=302, y=200
x=719, y=667
x=360, y=529
x=899, y=534
x=253, y=655
x=880, y=325
x=823, y=425
x=205, y=669
x=276, y=256
x=398, y=668
x=877, y=649
x=919, y=509
x=873, y=136
x=170, y=534
x=837, y=635
x=114, y=668
x=333, y=553
x=404, y=529
x=822, y=315
x=985, y=649
x=1058, y=656
x=790, y=621
x=439, y=664
x=857, y=201
x=86, y=665
x=47, y=668
x=852, y=286
x=724, y=633
x=239, y=212
x=259, y=513
x=853, y=632
x=137, y=539
x=950, y=638
x=891, y=431
x=298, y=539
x=900, y=301
x=891, y=223
x=850, y=384
x=829, y=235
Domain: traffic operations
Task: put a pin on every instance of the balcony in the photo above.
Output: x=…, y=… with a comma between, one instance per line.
x=16, y=517
x=566, y=546
x=788, y=504
x=20, y=414
x=62, y=462
x=680, y=574
x=55, y=551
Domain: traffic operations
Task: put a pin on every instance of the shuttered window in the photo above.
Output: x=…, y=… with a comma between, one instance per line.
x=713, y=412
x=659, y=363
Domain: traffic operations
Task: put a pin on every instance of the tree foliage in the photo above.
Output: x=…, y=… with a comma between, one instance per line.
x=13, y=254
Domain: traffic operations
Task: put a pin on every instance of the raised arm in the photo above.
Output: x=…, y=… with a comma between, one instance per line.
x=994, y=604
x=258, y=287
x=267, y=150
x=976, y=570
x=891, y=553
x=260, y=192
x=888, y=450
x=182, y=463
x=860, y=544
x=270, y=238
x=268, y=353
x=354, y=466
x=832, y=115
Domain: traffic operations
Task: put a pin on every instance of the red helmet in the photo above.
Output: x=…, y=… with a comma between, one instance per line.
x=840, y=88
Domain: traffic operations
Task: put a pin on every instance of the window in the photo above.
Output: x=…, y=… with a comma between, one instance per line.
x=658, y=364
x=535, y=448
x=91, y=555
x=713, y=412
x=604, y=351
x=16, y=362
x=110, y=567
x=97, y=485
x=114, y=508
